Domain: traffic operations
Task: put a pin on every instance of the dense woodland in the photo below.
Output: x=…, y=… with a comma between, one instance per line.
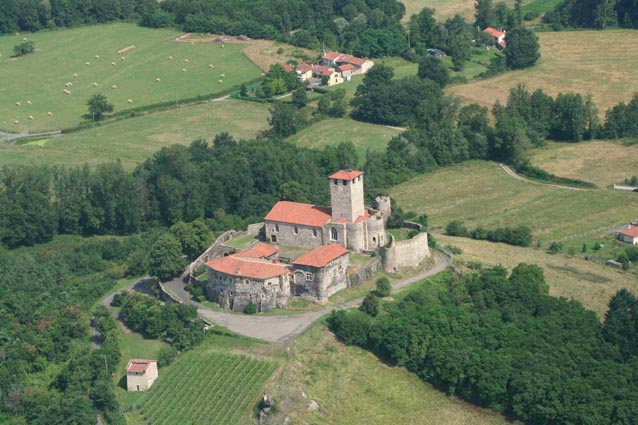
x=594, y=14
x=502, y=342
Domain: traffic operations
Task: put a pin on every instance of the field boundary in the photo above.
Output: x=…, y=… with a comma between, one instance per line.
x=513, y=174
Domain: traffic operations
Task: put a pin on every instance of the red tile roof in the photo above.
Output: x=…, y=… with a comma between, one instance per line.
x=138, y=365
x=304, y=67
x=346, y=175
x=298, y=213
x=288, y=67
x=321, y=256
x=261, y=250
x=331, y=56
x=352, y=60
x=632, y=232
x=345, y=67
x=493, y=32
x=250, y=268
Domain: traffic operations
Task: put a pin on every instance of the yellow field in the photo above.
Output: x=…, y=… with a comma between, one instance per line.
x=571, y=277
x=602, y=63
x=600, y=162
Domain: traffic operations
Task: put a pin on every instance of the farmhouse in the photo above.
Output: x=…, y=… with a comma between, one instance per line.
x=347, y=222
x=629, y=234
x=360, y=66
x=335, y=68
x=140, y=374
x=497, y=37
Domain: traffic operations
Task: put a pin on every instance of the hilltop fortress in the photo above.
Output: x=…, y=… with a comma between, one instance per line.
x=255, y=275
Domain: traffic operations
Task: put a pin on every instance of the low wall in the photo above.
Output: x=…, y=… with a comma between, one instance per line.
x=167, y=296
x=357, y=275
x=214, y=251
x=408, y=253
x=255, y=228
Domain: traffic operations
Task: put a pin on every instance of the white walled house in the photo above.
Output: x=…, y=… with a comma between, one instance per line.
x=629, y=234
x=140, y=374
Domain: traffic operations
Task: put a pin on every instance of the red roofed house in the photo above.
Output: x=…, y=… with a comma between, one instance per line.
x=247, y=276
x=320, y=273
x=347, y=222
x=629, y=234
x=498, y=37
x=140, y=374
x=360, y=66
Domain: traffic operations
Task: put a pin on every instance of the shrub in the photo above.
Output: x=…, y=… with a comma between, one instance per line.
x=555, y=247
x=251, y=308
x=456, y=228
x=383, y=286
x=166, y=356
x=370, y=305
x=116, y=301
x=431, y=241
x=23, y=48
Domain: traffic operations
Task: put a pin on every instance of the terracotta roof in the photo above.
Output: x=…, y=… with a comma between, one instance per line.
x=288, y=67
x=345, y=67
x=304, y=67
x=331, y=56
x=352, y=60
x=321, y=256
x=298, y=213
x=632, y=232
x=138, y=365
x=250, y=268
x=261, y=250
x=493, y=32
x=346, y=175
x=364, y=217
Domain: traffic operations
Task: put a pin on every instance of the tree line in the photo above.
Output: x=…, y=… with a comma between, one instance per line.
x=517, y=236
x=594, y=14
x=500, y=341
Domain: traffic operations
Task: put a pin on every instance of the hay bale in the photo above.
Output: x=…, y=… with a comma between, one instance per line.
x=186, y=61
x=170, y=58
x=87, y=63
x=18, y=104
x=97, y=56
x=113, y=86
x=24, y=39
x=30, y=117
x=122, y=58
x=220, y=81
x=158, y=80
x=16, y=122
x=50, y=114
x=222, y=46
x=130, y=101
x=75, y=75
x=94, y=84
x=29, y=102
x=222, y=75
x=113, y=63
x=211, y=66
x=183, y=69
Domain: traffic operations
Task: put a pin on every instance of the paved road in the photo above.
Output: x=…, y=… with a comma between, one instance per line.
x=283, y=328
x=10, y=137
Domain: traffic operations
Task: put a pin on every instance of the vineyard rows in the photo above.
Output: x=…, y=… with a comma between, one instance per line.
x=206, y=389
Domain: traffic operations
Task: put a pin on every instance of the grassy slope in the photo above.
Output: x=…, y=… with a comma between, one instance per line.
x=480, y=193
x=571, y=277
x=40, y=77
x=601, y=162
x=364, y=136
x=133, y=140
x=601, y=63
x=352, y=386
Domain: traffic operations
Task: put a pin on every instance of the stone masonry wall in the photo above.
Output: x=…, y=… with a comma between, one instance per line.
x=325, y=281
x=236, y=293
x=286, y=235
x=407, y=253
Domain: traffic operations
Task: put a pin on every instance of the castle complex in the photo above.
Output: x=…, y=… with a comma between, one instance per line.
x=256, y=276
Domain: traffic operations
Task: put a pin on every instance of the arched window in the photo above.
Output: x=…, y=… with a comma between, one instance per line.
x=333, y=234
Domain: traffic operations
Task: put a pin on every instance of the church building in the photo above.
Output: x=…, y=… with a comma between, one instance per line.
x=346, y=222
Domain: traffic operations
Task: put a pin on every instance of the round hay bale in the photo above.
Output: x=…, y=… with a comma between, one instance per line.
x=211, y=66
x=16, y=122
x=222, y=75
x=220, y=81
x=113, y=63
x=183, y=69
x=87, y=63
x=18, y=104
x=68, y=92
x=130, y=101
x=170, y=58
x=158, y=80
x=30, y=117
x=97, y=56
x=75, y=75
x=113, y=86
x=24, y=39
x=186, y=61
x=94, y=84
x=50, y=114
x=222, y=46
x=29, y=102
x=122, y=58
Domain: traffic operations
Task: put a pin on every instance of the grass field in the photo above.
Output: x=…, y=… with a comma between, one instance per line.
x=364, y=136
x=40, y=77
x=480, y=193
x=570, y=62
x=352, y=386
x=133, y=140
x=571, y=277
x=600, y=162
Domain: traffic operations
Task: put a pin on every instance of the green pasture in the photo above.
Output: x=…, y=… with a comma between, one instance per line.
x=135, y=139
x=40, y=77
x=481, y=193
x=364, y=136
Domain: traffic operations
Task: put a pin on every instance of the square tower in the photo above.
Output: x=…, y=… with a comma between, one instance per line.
x=346, y=195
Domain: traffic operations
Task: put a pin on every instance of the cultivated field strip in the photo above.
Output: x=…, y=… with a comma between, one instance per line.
x=206, y=388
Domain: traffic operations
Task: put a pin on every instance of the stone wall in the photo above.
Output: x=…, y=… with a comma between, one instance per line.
x=294, y=235
x=323, y=283
x=235, y=293
x=255, y=229
x=216, y=250
x=408, y=253
x=363, y=273
x=346, y=199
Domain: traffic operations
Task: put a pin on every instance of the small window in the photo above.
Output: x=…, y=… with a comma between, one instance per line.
x=277, y=228
x=374, y=239
x=345, y=182
x=295, y=230
x=308, y=276
x=314, y=232
x=335, y=181
x=333, y=234
x=246, y=281
x=273, y=238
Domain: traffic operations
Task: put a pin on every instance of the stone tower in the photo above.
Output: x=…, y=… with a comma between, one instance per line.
x=346, y=195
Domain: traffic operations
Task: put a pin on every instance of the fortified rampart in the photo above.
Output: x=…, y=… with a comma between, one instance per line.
x=408, y=253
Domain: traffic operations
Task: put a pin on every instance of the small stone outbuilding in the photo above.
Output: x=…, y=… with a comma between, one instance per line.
x=320, y=273
x=141, y=374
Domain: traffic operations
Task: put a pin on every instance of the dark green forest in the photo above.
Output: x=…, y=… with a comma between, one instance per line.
x=594, y=14
x=500, y=341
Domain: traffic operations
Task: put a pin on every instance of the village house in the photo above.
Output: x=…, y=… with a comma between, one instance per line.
x=140, y=374
x=335, y=68
x=497, y=37
x=336, y=59
x=629, y=234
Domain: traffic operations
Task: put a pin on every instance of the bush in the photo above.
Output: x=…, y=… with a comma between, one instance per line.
x=431, y=241
x=117, y=300
x=166, y=356
x=370, y=305
x=456, y=228
x=555, y=247
x=23, y=48
x=383, y=286
x=251, y=308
